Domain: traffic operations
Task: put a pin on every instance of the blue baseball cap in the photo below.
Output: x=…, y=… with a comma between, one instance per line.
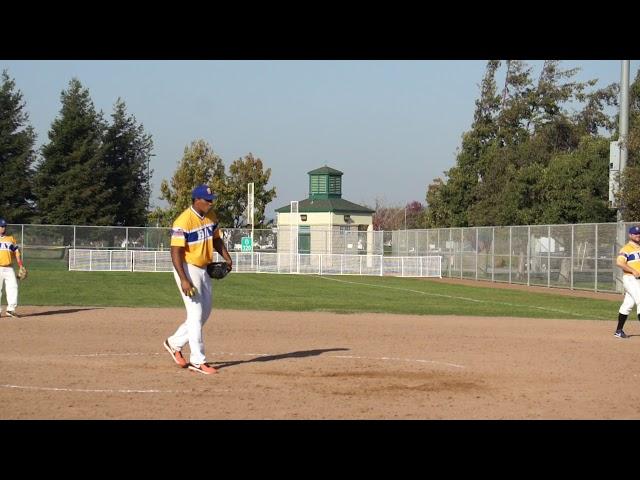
x=3, y=222
x=635, y=230
x=203, y=191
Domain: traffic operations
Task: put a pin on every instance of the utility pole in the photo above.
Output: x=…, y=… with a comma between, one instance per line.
x=624, y=120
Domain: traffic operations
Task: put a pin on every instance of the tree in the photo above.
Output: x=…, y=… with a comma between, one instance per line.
x=241, y=172
x=199, y=165
x=576, y=185
x=629, y=194
x=387, y=218
x=437, y=214
x=515, y=111
x=71, y=183
x=504, y=172
x=17, y=155
x=127, y=149
x=414, y=212
x=448, y=200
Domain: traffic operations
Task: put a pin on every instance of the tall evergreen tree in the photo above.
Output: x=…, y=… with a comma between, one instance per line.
x=127, y=150
x=17, y=155
x=71, y=182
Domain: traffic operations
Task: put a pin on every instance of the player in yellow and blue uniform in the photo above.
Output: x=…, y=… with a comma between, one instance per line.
x=9, y=249
x=194, y=236
x=629, y=261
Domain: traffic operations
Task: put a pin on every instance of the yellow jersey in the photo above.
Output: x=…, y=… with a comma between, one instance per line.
x=631, y=253
x=195, y=233
x=8, y=247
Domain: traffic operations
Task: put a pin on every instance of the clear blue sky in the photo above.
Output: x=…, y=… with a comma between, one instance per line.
x=390, y=126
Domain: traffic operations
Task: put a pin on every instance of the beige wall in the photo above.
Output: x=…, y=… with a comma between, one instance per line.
x=322, y=219
x=325, y=231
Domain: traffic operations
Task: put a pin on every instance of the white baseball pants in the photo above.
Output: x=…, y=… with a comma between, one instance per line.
x=198, y=310
x=8, y=276
x=631, y=294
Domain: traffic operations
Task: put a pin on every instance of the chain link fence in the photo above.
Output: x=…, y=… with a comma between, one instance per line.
x=580, y=256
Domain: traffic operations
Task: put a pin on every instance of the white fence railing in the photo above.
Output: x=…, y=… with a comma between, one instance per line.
x=311, y=264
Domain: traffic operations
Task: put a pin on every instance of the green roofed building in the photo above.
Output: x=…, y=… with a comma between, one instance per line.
x=326, y=222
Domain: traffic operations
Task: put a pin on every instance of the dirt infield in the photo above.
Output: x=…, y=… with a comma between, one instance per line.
x=98, y=363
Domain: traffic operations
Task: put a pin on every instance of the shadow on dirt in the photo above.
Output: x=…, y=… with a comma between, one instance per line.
x=269, y=358
x=56, y=312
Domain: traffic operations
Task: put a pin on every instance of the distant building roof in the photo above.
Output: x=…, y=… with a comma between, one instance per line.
x=325, y=169
x=336, y=205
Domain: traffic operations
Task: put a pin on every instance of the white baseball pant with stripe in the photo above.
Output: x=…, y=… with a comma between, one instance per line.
x=631, y=294
x=198, y=310
x=8, y=277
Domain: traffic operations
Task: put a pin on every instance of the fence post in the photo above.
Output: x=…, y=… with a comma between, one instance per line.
x=360, y=264
x=477, y=236
x=510, y=253
x=90, y=260
x=528, y=255
x=549, y=256
x=596, y=260
x=572, y=241
x=451, y=254
x=461, y=252
x=493, y=253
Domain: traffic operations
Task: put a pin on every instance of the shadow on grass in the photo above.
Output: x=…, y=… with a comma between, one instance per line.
x=269, y=358
x=56, y=312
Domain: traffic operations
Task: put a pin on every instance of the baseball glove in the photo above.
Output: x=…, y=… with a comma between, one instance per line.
x=217, y=270
x=22, y=273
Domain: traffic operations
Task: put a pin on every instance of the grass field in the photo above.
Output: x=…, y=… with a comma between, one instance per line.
x=50, y=283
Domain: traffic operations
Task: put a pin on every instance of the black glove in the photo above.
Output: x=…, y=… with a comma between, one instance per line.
x=217, y=270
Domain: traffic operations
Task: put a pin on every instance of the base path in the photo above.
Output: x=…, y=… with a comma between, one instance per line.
x=108, y=363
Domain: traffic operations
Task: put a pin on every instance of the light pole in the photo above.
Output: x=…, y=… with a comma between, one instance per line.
x=624, y=120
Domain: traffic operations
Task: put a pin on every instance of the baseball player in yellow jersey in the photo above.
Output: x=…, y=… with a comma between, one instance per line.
x=629, y=261
x=194, y=236
x=8, y=249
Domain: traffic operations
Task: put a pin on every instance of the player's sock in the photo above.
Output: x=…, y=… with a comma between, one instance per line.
x=621, y=319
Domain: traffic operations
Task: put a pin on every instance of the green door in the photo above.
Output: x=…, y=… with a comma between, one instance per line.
x=304, y=239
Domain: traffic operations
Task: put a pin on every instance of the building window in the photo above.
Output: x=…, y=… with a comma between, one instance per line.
x=303, y=218
x=318, y=184
x=335, y=185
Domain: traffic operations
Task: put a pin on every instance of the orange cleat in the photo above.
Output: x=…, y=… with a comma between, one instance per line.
x=203, y=368
x=175, y=354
